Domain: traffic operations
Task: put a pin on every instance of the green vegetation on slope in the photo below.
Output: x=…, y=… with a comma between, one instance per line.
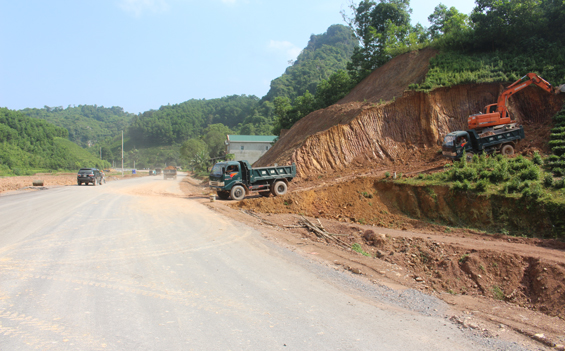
x=556, y=162
x=29, y=144
x=518, y=178
x=87, y=124
x=452, y=68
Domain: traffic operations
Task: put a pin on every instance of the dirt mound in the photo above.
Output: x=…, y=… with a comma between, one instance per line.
x=380, y=122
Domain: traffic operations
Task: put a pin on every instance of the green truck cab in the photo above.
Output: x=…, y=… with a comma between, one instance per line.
x=502, y=140
x=236, y=179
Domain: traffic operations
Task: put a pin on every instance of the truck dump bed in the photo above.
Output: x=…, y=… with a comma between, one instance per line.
x=270, y=173
x=487, y=140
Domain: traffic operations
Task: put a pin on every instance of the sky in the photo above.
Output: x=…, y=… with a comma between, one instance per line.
x=141, y=54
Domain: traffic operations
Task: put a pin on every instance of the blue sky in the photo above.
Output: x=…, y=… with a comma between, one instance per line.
x=141, y=54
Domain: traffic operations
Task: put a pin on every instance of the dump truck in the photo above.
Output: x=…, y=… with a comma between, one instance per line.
x=236, y=179
x=501, y=139
x=170, y=172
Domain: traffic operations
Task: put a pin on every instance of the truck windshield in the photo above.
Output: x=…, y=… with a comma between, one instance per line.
x=448, y=140
x=218, y=170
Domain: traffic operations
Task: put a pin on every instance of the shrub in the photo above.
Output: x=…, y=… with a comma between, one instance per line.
x=558, y=172
x=534, y=190
x=464, y=185
x=481, y=185
x=387, y=174
x=467, y=173
x=548, y=181
x=513, y=185
x=559, y=184
x=537, y=159
x=532, y=172
x=500, y=173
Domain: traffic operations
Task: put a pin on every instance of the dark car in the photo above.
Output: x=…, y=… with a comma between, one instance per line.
x=89, y=175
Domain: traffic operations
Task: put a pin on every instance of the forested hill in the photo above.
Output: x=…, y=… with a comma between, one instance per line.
x=87, y=124
x=29, y=144
x=177, y=123
x=324, y=55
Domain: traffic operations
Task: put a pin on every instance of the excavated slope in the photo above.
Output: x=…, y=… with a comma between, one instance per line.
x=361, y=128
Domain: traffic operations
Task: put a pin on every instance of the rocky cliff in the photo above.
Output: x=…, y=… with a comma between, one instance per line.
x=380, y=121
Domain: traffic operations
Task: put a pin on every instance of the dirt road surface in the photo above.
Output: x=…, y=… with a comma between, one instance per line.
x=138, y=265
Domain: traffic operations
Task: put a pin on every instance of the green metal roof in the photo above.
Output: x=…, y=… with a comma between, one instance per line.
x=252, y=138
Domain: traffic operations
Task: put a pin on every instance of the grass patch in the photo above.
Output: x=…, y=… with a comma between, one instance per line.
x=358, y=248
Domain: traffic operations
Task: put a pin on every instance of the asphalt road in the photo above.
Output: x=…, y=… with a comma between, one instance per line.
x=135, y=265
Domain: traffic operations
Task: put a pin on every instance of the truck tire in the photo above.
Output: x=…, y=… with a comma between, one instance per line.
x=223, y=195
x=279, y=188
x=507, y=150
x=237, y=192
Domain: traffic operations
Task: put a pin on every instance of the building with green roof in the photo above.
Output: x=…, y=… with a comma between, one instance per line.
x=248, y=147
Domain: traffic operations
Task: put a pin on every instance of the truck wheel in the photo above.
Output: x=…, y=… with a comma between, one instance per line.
x=265, y=193
x=237, y=193
x=224, y=195
x=507, y=150
x=279, y=188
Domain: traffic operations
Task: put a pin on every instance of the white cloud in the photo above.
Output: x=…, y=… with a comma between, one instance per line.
x=290, y=50
x=137, y=7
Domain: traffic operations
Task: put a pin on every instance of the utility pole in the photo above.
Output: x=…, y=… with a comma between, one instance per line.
x=122, y=153
x=100, y=152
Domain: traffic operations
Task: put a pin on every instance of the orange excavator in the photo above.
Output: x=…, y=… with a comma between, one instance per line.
x=497, y=114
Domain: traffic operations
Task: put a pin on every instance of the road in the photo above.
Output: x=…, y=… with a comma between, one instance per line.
x=135, y=265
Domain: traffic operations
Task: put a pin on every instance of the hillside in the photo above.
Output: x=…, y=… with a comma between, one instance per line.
x=381, y=122
x=87, y=124
x=28, y=145
x=325, y=54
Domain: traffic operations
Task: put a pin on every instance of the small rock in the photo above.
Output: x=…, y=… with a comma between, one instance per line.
x=560, y=347
x=355, y=270
x=380, y=254
x=419, y=279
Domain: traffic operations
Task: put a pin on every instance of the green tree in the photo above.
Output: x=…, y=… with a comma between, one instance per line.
x=191, y=148
x=335, y=88
x=446, y=21
x=215, y=141
x=381, y=28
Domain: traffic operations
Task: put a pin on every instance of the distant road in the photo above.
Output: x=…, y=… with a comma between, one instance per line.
x=135, y=265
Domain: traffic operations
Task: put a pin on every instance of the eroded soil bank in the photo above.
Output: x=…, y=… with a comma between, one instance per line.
x=528, y=272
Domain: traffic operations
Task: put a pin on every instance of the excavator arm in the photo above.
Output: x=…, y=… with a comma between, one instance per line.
x=519, y=85
x=497, y=114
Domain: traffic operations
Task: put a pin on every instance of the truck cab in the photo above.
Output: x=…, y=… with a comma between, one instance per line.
x=454, y=143
x=229, y=173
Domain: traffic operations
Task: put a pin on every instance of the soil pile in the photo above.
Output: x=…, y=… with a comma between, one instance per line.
x=380, y=122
